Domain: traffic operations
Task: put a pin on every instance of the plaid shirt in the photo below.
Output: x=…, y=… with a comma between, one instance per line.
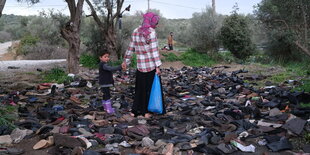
x=147, y=54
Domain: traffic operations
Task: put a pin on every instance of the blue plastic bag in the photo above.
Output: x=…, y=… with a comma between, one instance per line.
x=156, y=101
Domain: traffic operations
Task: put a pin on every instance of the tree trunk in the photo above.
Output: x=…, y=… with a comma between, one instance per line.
x=303, y=48
x=73, y=39
x=71, y=33
x=111, y=43
x=2, y=3
x=213, y=7
x=305, y=25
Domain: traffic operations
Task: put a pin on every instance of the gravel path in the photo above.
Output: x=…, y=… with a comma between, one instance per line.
x=4, y=47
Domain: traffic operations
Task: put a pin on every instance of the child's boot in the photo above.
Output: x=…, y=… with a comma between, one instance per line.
x=107, y=105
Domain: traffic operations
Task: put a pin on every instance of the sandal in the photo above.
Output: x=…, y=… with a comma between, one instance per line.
x=44, y=143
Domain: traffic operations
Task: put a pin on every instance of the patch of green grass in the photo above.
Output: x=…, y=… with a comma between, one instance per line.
x=300, y=69
x=170, y=57
x=89, y=61
x=304, y=87
x=281, y=77
x=195, y=59
x=307, y=137
x=57, y=75
x=8, y=116
x=304, y=105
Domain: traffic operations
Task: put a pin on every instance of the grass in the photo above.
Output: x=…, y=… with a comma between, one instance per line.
x=281, y=77
x=8, y=115
x=57, y=75
x=307, y=137
x=304, y=87
x=170, y=57
x=305, y=105
x=195, y=59
x=89, y=61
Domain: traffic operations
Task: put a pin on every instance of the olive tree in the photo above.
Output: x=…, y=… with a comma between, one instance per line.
x=203, y=31
x=287, y=25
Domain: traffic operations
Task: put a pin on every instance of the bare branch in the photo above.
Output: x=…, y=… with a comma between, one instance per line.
x=303, y=48
x=94, y=14
x=79, y=10
x=109, y=8
x=72, y=7
x=118, y=9
x=283, y=21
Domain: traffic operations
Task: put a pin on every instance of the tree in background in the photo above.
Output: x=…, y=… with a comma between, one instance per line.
x=202, y=34
x=110, y=11
x=287, y=25
x=236, y=35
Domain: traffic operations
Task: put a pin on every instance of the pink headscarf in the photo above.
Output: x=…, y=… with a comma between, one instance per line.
x=150, y=19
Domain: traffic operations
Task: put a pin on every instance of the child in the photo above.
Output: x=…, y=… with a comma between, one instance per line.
x=106, y=80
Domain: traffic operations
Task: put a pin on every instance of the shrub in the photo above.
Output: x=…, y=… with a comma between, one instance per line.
x=236, y=36
x=29, y=40
x=42, y=51
x=88, y=60
x=5, y=36
x=25, y=44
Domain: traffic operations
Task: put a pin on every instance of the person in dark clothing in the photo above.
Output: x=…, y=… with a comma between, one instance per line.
x=170, y=41
x=106, y=80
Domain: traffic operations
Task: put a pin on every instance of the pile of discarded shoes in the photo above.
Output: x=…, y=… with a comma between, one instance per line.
x=208, y=112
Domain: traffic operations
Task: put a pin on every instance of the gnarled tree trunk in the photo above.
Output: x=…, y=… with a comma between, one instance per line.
x=2, y=3
x=71, y=33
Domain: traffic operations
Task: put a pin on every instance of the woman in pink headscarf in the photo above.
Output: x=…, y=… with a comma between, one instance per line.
x=144, y=43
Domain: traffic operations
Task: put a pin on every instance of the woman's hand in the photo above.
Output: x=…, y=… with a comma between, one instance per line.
x=158, y=71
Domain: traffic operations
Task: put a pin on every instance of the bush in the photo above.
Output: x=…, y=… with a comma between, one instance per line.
x=29, y=40
x=280, y=46
x=195, y=59
x=90, y=61
x=5, y=36
x=236, y=36
x=43, y=51
x=25, y=44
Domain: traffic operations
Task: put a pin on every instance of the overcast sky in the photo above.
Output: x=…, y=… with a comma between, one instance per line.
x=168, y=8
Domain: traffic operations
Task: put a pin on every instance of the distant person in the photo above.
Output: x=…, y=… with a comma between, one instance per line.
x=170, y=41
x=106, y=80
x=145, y=44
